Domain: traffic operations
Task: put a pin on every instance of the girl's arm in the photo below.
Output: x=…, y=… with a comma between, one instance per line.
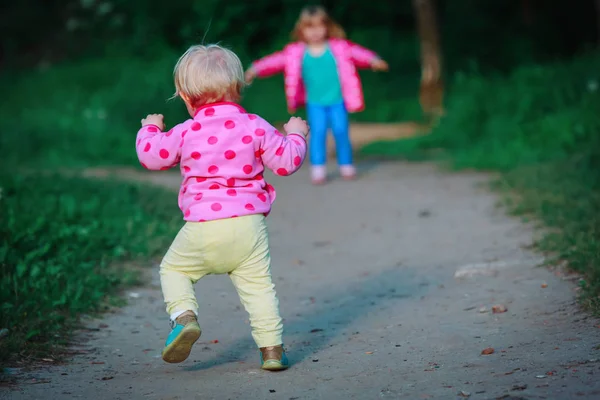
x=269, y=65
x=283, y=155
x=365, y=58
x=159, y=150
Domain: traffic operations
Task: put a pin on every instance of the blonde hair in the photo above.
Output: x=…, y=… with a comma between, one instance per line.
x=208, y=74
x=334, y=30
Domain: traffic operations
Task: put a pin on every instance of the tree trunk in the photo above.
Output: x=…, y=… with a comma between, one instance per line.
x=432, y=88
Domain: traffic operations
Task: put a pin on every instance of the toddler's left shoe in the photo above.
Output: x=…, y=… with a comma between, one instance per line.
x=181, y=339
x=273, y=358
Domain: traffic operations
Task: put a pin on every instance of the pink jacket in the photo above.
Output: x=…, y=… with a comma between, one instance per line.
x=349, y=56
x=222, y=152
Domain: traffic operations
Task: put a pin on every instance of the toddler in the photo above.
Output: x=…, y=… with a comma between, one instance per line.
x=319, y=68
x=222, y=152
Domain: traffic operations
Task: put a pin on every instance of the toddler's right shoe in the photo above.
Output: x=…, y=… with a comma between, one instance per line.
x=273, y=358
x=185, y=333
x=318, y=174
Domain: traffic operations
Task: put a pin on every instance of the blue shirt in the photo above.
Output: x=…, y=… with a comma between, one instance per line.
x=321, y=79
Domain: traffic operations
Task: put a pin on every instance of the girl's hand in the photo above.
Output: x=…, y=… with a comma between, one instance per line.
x=154, y=119
x=250, y=75
x=379, y=65
x=297, y=125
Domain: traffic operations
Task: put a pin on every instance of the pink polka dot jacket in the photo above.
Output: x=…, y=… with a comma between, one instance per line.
x=222, y=153
x=348, y=56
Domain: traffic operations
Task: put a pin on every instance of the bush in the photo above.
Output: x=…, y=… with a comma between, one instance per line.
x=540, y=126
x=60, y=241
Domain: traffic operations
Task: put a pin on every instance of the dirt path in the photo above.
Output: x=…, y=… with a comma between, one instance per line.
x=386, y=286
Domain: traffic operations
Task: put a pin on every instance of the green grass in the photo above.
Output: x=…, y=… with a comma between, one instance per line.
x=540, y=127
x=63, y=245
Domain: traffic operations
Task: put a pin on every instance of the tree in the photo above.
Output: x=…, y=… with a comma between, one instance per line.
x=432, y=88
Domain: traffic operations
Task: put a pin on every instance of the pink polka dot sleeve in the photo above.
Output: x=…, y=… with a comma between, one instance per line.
x=158, y=150
x=283, y=155
x=361, y=57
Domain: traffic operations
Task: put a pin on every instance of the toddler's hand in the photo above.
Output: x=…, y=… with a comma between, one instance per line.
x=379, y=65
x=154, y=119
x=296, y=125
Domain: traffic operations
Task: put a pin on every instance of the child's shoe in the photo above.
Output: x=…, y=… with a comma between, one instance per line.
x=348, y=172
x=318, y=174
x=181, y=339
x=273, y=358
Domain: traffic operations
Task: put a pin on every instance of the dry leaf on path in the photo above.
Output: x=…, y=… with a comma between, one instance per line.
x=499, y=309
x=487, y=351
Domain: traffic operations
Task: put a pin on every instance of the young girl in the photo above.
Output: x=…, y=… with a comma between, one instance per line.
x=222, y=152
x=320, y=70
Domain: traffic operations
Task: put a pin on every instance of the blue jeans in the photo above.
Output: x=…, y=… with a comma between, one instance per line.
x=320, y=118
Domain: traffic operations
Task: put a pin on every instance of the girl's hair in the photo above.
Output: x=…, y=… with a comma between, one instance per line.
x=208, y=74
x=334, y=30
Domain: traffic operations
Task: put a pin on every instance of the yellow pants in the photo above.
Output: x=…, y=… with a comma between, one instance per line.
x=236, y=246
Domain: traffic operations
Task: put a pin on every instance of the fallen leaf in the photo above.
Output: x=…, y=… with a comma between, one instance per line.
x=544, y=285
x=487, y=351
x=499, y=309
x=368, y=352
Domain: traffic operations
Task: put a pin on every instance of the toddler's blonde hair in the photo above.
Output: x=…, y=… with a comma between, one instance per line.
x=309, y=14
x=208, y=74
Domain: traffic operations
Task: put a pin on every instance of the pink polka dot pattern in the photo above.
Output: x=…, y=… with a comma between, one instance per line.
x=195, y=155
x=280, y=151
x=184, y=133
x=169, y=133
x=251, y=117
x=144, y=165
x=229, y=124
x=196, y=126
x=216, y=207
x=213, y=140
x=297, y=161
x=247, y=139
x=259, y=132
x=187, y=213
x=231, y=182
x=184, y=189
x=209, y=112
x=147, y=147
x=213, y=169
x=262, y=197
x=214, y=186
x=247, y=169
x=282, y=171
x=230, y=154
x=249, y=207
x=200, y=179
x=186, y=169
x=232, y=192
x=198, y=197
x=163, y=153
x=152, y=129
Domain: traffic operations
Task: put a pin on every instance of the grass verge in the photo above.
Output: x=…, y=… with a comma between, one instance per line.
x=63, y=243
